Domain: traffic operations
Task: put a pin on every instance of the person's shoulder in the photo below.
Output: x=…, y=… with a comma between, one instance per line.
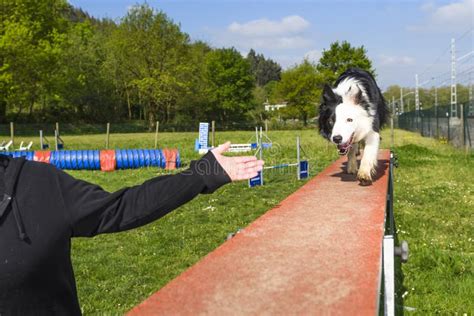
x=39, y=168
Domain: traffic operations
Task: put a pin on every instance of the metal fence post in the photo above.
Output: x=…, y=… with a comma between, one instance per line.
x=463, y=131
x=421, y=124
x=449, y=132
x=429, y=123
x=437, y=121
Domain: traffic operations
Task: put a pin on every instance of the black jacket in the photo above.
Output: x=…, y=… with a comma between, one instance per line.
x=43, y=207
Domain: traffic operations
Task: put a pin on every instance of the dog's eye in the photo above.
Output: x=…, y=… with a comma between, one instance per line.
x=349, y=120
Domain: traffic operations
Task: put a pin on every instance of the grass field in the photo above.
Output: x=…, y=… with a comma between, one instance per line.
x=434, y=203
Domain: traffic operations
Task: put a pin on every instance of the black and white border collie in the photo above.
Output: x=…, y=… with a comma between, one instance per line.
x=352, y=112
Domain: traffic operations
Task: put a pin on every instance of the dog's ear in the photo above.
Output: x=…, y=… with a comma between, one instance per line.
x=355, y=94
x=328, y=94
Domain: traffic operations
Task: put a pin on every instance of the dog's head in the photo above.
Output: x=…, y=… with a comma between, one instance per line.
x=343, y=118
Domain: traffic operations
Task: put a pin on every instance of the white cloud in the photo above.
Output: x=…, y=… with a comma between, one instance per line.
x=313, y=55
x=288, y=33
x=293, y=24
x=455, y=16
x=428, y=6
x=277, y=43
x=387, y=60
x=457, y=12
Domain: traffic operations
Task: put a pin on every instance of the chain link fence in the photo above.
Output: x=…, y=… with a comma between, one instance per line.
x=439, y=122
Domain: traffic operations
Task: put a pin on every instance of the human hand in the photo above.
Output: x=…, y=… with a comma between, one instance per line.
x=238, y=168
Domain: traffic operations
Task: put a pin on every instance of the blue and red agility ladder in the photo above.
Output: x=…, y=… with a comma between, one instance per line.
x=105, y=160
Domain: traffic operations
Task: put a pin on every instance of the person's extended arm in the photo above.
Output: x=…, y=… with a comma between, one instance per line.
x=94, y=211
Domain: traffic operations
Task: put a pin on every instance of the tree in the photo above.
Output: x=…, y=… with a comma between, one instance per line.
x=194, y=103
x=341, y=56
x=80, y=82
x=230, y=84
x=264, y=70
x=299, y=87
x=147, y=55
x=30, y=32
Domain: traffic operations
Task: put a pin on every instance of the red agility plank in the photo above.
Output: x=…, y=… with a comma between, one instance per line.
x=107, y=160
x=318, y=252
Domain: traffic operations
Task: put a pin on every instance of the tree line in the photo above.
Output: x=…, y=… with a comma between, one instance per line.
x=59, y=63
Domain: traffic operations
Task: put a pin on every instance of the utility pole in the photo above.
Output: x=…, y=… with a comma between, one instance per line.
x=454, y=99
x=471, y=103
x=417, y=101
x=392, y=140
x=417, y=95
x=401, y=101
x=436, y=111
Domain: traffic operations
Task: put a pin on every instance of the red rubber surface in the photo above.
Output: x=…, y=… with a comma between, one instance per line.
x=170, y=156
x=42, y=156
x=318, y=252
x=107, y=160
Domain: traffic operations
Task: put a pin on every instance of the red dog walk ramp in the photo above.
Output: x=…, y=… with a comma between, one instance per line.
x=318, y=252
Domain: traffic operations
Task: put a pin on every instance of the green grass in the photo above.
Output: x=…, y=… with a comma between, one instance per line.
x=434, y=212
x=434, y=204
x=115, y=272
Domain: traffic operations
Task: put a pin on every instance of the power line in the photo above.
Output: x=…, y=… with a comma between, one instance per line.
x=467, y=60
x=466, y=70
x=466, y=82
x=466, y=73
x=466, y=55
x=436, y=78
x=465, y=33
x=445, y=51
x=435, y=62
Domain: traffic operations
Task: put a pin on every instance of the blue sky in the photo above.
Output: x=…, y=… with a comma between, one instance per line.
x=402, y=37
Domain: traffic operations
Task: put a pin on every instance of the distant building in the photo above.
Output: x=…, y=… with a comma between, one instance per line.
x=273, y=107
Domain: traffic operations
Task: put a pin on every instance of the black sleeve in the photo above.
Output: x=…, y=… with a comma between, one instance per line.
x=94, y=211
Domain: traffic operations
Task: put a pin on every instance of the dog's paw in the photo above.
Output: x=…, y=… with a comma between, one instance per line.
x=352, y=169
x=365, y=178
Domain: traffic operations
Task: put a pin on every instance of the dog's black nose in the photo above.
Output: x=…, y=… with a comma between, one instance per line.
x=337, y=139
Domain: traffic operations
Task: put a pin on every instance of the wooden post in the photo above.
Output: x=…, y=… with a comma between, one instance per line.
x=156, y=133
x=107, y=137
x=12, y=134
x=213, y=134
x=56, y=139
x=57, y=127
x=41, y=139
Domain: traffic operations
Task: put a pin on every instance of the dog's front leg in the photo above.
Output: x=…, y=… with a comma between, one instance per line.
x=352, y=159
x=369, y=160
